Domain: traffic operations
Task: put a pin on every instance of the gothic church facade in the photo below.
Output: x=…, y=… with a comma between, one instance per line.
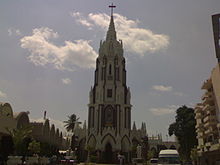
x=109, y=109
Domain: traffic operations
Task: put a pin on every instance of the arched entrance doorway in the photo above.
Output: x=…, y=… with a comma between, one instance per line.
x=108, y=153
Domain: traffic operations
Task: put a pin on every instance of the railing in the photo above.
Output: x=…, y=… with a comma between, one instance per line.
x=198, y=115
x=207, y=95
x=210, y=118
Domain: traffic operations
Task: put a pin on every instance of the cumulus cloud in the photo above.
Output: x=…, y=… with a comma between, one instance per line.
x=70, y=56
x=66, y=81
x=81, y=20
x=162, y=88
x=164, y=111
x=2, y=94
x=136, y=40
x=13, y=31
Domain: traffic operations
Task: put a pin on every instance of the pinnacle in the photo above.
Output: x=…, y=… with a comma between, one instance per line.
x=111, y=34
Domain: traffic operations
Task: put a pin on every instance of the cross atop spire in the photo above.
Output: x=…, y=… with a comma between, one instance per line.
x=112, y=6
x=111, y=33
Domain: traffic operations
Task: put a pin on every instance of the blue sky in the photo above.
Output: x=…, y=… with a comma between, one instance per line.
x=48, y=49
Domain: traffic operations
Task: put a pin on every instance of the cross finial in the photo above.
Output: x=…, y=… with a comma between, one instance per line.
x=112, y=6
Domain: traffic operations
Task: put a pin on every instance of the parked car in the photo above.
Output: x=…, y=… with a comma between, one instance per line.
x=153, y=161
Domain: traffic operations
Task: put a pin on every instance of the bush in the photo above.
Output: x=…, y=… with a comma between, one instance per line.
x=93, y=158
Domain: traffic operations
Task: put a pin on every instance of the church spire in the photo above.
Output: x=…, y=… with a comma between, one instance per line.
x=111, y=34
x=134, y=126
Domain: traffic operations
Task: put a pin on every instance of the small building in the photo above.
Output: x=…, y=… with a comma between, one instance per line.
x=41, y=131
x=6, y=119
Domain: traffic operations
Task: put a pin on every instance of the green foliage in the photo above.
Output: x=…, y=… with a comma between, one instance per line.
x=89, y=148
x=47, y=150
x=184, y=129
x=194, y=154
x=91, y=152
x=134, y=151
x=34, y=147
x=70, y=123
x=150, y=154
x=70, y=126
x=20, y=138
x=93, y=158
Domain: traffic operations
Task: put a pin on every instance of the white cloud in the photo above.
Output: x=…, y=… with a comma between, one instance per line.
x=81, y=20
x=13, y=31
x=73, y=55
x=162, y=88
x=136, y=40
x=164, y=111
x=66, y=81
x=2, y=94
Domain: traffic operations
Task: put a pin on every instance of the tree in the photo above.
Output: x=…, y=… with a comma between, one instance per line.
x=150, y=155
x=70, y=126
x=71, y=122
x=90, y=152
x=19, y=137
x=194, y=155
x=184, y=129
x=34, y=147
x=144, y=147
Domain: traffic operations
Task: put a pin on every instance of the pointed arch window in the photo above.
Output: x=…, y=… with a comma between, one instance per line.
x=109, y=93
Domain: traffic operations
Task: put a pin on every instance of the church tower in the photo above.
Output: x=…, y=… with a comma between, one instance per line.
x=109, y=108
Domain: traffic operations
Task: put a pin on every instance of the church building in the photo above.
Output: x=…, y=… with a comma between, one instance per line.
x=109, y=112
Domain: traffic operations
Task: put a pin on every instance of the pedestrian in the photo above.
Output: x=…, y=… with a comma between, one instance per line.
x=120, y=157
x=23, y=160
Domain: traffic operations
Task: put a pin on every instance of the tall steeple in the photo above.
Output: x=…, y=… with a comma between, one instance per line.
x=109, y=119
x=134, y=127
x=111, y=34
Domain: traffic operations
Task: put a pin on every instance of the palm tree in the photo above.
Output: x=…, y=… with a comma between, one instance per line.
x=70, y=126
x=71, y=122
x=34, y=147
x=18, y=136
